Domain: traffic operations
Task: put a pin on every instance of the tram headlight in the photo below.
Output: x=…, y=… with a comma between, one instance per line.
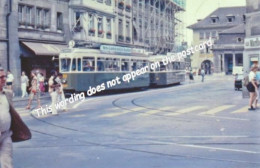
x=64, y=80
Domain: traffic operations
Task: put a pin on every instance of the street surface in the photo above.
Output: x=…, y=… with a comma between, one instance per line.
x=197, y=125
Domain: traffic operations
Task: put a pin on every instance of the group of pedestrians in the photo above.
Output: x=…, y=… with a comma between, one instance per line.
x=37, y=79
x=55, y=89
x=202, y=73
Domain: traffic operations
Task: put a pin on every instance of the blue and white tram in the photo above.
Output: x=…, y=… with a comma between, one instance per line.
x=171, y=73
x=85, y=68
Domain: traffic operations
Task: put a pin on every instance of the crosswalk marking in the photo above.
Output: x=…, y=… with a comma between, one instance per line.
x=241, y=110
x=186, y=110
x=149, y=113
x=217, y=109
x=122, y=112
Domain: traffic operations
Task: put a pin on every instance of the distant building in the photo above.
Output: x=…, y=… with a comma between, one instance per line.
x=228, y=49
x=252, y=40
x=209, y=28
x=124, y=24
x=154, y=24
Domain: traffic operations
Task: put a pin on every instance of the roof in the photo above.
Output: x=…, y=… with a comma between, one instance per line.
x=240, y=29
x=221, y=14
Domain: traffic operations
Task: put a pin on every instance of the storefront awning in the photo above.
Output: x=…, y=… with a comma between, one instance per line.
x=254, y=59
x=45, y=49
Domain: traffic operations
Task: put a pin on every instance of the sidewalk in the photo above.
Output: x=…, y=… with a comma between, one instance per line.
x=20, y=99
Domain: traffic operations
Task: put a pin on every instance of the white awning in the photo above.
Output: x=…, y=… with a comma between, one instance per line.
x=45, y=49
x=254, y=59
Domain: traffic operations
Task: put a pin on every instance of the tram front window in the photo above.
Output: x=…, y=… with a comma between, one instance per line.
x=65, y=64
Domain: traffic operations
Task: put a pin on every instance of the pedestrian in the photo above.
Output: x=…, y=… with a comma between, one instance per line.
x=252, y=86
x=24, y=84
x=9, y=80
x=34, y=91
x=202, y=73
x=41, y=81
x=12, y=128
x=53, y=86
x=6, y=147
x=60, y=92
x=191, y=76
x=257, y=91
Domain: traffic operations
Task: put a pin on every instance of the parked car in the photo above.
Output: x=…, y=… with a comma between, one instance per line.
x=238, y=81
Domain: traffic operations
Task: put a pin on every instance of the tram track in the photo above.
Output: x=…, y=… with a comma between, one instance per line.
x=147, y=141
x=125, y=148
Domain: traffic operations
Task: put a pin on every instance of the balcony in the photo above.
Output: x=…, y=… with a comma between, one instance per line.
x=77, y=29
x=91, y=32
x=128, y=8
x=109, y=35
x=121, y=38
x=128, y=39
x=121, y=5
x=100, y=33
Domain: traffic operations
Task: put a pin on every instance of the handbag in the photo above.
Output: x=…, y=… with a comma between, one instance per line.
x=20, y=131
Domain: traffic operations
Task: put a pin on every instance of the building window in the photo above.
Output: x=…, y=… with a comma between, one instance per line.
x=108, y=2
x=120, y=30
x=214, y=34
x=77, y=27
x=207, y=35
x=128, y=39
x=38, y=18
x=201, y=35
x=100, y=27
x=214, y=19
x=91, y=25
x=239, y=39
x=108, y=26
x=46, y=18
x=20, y=14
x=29, y=15
x=230, y=19
x=59, y=21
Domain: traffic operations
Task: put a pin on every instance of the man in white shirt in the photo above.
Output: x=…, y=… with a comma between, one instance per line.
x=53, y=86
x=6, y=146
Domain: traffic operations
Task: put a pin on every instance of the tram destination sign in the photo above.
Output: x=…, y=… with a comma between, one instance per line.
x=115, y=49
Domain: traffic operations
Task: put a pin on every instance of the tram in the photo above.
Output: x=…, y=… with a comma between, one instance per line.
x=171, y=73
x=84, y=68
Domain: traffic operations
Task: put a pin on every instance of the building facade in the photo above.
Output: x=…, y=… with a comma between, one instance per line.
x=92, y=21
x=210, y=28
x=228, y=49
x=154, y=24
x=33, y=33
x=252, y=40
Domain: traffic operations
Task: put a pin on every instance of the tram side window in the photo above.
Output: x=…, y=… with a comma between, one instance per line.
x=88, y=64
x=79, y=64
x=74, y=65
x=112, y=64
x=65, y=65
x=162, y=67
x=176, y=65
x=125, y=64
x=101, y=64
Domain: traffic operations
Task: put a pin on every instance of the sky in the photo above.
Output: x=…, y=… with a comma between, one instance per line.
x=199, y=9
